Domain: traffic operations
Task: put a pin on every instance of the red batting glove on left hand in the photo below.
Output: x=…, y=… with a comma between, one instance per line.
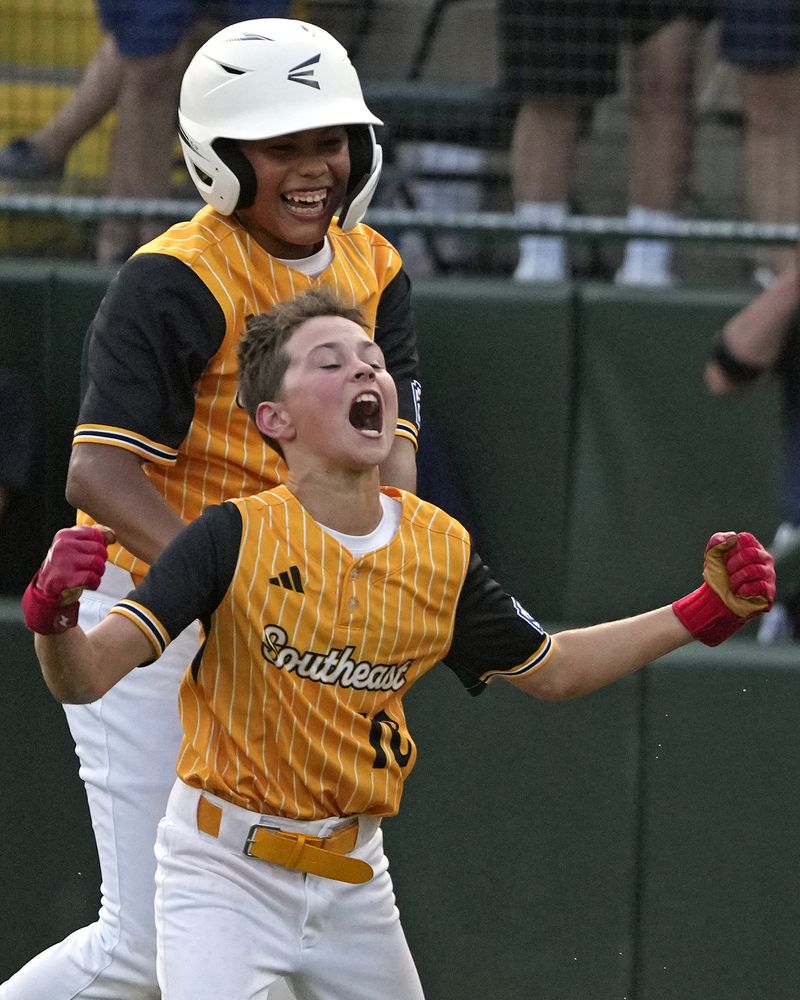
x=739, y=583
x=76, y=560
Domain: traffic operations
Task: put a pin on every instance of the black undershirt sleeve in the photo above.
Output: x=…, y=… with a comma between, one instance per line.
x=492, y=630
x=396, y=336
x=150, y=341
x=191, y=576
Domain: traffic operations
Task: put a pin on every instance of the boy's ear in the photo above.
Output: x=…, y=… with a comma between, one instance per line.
x=273, y=420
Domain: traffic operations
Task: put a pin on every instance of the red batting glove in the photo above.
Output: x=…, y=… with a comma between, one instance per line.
x=76, y=560
x=739, y=583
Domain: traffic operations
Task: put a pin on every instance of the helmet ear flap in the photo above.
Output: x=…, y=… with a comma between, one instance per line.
x=241, y=168
x=362, y=147
x=365, y=170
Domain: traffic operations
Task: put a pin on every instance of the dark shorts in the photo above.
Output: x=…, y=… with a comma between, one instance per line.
x=761, y=34
x=570, y=47
x=153, y=27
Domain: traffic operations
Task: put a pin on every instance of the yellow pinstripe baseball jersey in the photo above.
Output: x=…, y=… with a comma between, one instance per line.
x=160, y=373
x=294, y=704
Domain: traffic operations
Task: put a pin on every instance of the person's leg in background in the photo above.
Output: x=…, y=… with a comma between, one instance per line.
x=771, y=103
x=761, y=39
x=543, y=148
x=141, y=158
x=154, y=47
x=42, y=154
x=661, y=139
x=558, y=59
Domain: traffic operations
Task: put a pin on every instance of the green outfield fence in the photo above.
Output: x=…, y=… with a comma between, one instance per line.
x=580, y=227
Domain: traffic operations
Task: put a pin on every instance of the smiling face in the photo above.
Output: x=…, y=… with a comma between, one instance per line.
x=338, y=404
x=301, y=182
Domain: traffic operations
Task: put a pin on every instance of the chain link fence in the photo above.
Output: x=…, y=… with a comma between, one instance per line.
x=666, y=104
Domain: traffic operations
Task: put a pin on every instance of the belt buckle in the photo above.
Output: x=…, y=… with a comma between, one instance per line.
x=248, y=844
x=278, y=831
x=319, y=860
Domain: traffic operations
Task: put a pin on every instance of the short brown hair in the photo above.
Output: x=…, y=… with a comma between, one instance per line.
x=263, y=359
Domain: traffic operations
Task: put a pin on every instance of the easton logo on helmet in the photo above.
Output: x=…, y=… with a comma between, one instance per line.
x=301, y=74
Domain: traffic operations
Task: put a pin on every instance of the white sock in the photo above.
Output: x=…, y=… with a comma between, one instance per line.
x=541, y=258
x=647, y=262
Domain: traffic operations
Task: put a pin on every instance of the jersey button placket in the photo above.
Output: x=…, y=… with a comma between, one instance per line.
x=352, y=603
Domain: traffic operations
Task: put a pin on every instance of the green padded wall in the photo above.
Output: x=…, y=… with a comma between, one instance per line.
x=47, y=308
x=76, y=294
x=26, y=317
x=514, y=853
x=48, y=869
x=497, y=367
x=720, y=910
x=658, y=463
x=25, y=297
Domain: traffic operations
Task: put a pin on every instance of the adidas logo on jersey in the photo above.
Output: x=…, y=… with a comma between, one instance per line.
x=289, y=579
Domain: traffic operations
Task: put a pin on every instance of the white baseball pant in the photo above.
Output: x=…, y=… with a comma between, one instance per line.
x=230, y=925
x=127, y=743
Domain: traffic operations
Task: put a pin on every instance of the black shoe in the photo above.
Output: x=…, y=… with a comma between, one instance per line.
x=22, y=160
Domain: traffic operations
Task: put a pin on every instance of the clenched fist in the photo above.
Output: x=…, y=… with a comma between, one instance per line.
x=738, y=583
x=75, y=561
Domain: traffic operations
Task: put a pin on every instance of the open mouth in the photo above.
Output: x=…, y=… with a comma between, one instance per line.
x=306, y=202
x=366, y=414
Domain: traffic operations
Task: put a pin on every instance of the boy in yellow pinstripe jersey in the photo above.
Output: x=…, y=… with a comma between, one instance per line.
x=323, y=600
x=280, y=144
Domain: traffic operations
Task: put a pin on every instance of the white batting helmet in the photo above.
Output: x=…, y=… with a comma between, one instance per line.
x=263, y=78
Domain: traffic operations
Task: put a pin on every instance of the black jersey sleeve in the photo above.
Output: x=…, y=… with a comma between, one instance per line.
x=396, y=336
x=190, y=577
x=493, y=634
x=150, y=341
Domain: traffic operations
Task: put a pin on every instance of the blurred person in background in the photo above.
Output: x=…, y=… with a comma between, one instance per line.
x=761, y=39
x=136, y=70
x=560, y=58
x=760, y=342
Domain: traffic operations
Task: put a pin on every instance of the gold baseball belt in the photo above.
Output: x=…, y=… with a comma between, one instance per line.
x=326, y=857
